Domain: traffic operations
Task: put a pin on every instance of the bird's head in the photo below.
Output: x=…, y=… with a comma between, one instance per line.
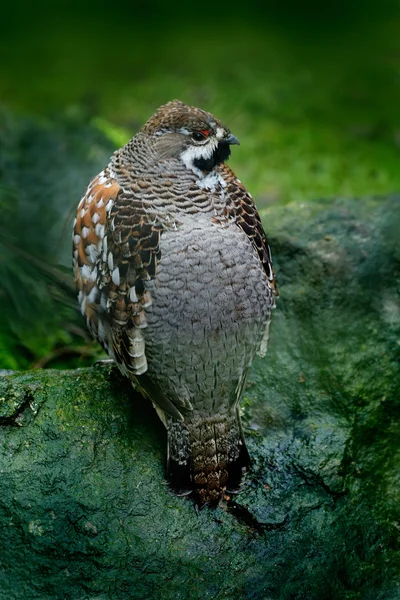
x=191, y=135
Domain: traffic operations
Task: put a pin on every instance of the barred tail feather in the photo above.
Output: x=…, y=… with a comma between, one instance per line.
x=207, y=457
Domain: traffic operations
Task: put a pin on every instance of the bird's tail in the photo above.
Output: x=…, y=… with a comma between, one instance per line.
x=207, y=457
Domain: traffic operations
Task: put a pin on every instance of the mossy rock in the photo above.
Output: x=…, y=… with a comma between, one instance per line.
x=85, y=511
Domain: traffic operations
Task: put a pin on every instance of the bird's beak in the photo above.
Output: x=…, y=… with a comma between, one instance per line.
x=231, y=139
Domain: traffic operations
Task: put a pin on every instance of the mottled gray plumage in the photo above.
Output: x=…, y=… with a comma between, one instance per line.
x=175, y=280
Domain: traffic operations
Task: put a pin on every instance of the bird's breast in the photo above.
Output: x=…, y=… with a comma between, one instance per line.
x=209, y=279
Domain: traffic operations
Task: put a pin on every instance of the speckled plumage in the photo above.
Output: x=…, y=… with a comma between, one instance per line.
x=175, y=280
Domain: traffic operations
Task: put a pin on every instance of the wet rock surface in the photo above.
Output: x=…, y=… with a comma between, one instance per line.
x=85, y=512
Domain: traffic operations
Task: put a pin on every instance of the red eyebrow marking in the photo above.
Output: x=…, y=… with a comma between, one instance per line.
x=205, y=132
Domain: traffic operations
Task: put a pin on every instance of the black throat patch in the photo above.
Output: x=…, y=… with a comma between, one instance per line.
x=220, y=154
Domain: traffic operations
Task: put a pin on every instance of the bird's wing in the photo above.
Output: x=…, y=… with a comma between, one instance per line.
x=242, y=208
x=116, y=248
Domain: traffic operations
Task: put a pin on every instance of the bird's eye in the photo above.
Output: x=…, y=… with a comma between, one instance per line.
x=200, y=136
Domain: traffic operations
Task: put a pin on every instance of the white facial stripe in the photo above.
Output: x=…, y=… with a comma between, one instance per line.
x=193, y=152
x=220, y=133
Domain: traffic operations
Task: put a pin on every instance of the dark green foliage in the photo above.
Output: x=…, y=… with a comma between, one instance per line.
x=44, y=169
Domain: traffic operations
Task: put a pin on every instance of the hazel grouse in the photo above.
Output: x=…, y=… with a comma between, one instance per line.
x=175, y=281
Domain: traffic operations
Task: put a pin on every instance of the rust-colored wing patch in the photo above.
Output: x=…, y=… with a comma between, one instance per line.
x=91, y=219
x=116, y=247
x=88, y=240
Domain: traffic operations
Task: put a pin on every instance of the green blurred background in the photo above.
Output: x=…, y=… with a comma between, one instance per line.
x=312, y=90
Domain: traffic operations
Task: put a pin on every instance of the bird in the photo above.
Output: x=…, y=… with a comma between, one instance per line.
x=175, y=280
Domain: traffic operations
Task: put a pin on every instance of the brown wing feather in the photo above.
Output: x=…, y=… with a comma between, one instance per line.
x=88, y=239
x=241, y=206
x=116, y=248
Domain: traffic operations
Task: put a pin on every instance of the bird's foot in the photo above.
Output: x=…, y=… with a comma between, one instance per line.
x=103, y=361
